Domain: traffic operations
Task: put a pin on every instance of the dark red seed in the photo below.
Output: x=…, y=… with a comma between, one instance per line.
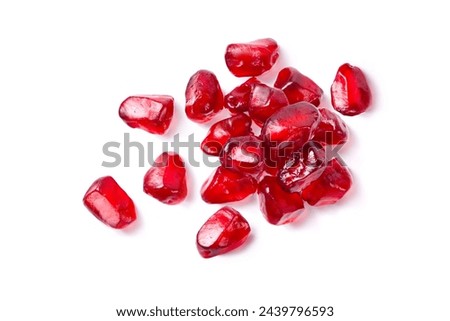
x=238, y=100
x=287, y=130
x=204, y=97
x=330, y=187
x=166, y=179
x=350, y=93
x=251, y=58
x=331, y=129
x=223, y=130
x=223, y=232
x=244, y=154
x=264, y=101
x=151, y=113
x=277, y=205
x=298, y=87
x=227, y=185
x=303, y=167
x=108, y=202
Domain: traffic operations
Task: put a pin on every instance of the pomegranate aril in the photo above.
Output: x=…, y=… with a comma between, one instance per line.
x=108, y=202
x=303, y=167
x=287, y=130
x=152, y=113
x=264, y=101
x=330, y=187
x=166, y=179
x=224, y=231
x=244, y=154
x=227, y=185
x=223, y=130
x=251, y=58
x=350, y=93
x=331, y=129
x=298, y=87
x=238, y=100
x=277, y=205
x=292, y=123
x=204, y=97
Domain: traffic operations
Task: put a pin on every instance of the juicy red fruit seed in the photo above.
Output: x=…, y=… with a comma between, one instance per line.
x=298, y=87
x=108, y=202
x=251, y=58
x=287, y=130
x=277, y=205
x=224, y=231
x=244, y=154
x=350, y=93
x=331, y=129
x=223, y=130
x=264, y=101
x=330, y=187
x=227, y=185
x=166, y=179
x=204, y=97
x=303, y=167
x=293, y=123
x=238, y=100
x=152, y=113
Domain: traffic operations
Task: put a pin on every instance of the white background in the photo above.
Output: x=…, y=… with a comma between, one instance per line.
x=380, y=254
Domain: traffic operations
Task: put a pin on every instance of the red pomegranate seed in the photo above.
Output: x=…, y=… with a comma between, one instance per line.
x=204, y=98
x=264, y=101
x=151, y=113
x=244, y=154
x=303, y=167
x=298, y=87
x=238, y=100
x=227, y=185
x=251, y=58
x=110, y=203
x=350, y=93
x=330, y=187
x=331, y=129
x=166, y=179
x=223, y=130
x=287, y=130
x=224, y=231
x=277, y=205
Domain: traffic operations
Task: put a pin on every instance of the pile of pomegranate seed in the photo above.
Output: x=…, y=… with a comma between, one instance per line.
x=286, y=163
